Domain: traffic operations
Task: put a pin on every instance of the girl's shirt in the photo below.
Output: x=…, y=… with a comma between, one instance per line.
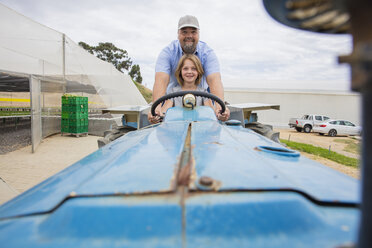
x=177, y=101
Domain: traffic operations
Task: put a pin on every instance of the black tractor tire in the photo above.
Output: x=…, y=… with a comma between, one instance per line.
x=298, y=129
x=264, y=130
x=307, y=128
x=332, y=133
x=102, y=142
x=113, y=134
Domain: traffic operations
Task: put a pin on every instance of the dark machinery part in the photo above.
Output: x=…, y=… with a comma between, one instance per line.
x=183, y=93
x=264, y=130
x=113, y=134
x=342, y=16
x=324, y=16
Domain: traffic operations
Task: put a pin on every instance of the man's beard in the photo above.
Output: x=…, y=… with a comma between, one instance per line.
x=189, y=48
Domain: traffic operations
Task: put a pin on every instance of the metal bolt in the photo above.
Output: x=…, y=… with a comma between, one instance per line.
x=206, y=181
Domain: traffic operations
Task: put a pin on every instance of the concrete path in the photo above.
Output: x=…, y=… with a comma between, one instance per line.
x=21, y=169
x=6, y=192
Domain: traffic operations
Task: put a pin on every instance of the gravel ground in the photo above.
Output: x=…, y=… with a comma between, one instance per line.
x=13, y=138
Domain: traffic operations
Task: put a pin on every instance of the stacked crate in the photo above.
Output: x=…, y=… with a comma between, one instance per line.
x=64, y=115
x=74, y=115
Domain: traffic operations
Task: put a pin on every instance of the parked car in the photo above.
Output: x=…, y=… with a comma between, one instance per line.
x=337, y=127
x=306, y=122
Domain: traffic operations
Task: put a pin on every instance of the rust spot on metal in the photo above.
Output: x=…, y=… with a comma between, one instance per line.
x=193, y=174
x=184, y=175
x=186, y=162
x=173, y=180
x=214, y=142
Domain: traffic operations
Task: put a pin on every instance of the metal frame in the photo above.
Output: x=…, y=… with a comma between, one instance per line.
x=132, y=112
x=361, y=66
x=36, y=124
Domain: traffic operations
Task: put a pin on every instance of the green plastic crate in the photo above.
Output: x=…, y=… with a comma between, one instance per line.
x=65, y=114
x=78, y=125
x=78, y=122
x=65, y=125
x=82, y=108
x=78, y=129
x=78, y=116
x=64, y=100
x=65, y=107
x=74, y=114
x=78, y=100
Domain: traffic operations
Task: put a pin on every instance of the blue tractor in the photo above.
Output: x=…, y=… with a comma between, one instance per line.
x=189, y=181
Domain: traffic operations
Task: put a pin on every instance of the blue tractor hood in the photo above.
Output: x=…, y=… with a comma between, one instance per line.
x=189, y=167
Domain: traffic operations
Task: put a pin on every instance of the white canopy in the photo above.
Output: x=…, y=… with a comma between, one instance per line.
x=30, y=48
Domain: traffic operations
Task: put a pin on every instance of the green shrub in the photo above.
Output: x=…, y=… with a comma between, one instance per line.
x=146, y=93
x=318, y=151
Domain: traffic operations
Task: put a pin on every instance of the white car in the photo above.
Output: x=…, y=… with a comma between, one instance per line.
x=337, y=127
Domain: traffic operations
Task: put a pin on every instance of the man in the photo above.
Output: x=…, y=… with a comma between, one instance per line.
x=188, y=42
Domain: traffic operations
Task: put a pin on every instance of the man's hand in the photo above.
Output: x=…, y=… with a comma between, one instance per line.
x=153, y=119
x=157, y=118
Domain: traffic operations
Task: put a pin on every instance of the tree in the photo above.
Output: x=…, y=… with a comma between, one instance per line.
x=116, y=56
x=135, y=73
x=86, y=47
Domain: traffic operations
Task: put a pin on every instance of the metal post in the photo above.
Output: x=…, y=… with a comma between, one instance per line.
x=361, y=65
x=36, y=122
x=365, y=238
x=43, y=61
x=64, y=62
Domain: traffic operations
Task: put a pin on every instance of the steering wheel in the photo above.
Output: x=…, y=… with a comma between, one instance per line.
x=182, y=93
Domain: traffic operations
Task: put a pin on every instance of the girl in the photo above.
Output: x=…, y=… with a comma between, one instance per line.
x=189, y=74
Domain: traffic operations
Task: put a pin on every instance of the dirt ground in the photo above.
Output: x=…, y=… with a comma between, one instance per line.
x=327, y=143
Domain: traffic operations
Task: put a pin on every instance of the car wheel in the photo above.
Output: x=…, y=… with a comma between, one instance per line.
x=332, y=133
x=298, y=129
x=307, y=128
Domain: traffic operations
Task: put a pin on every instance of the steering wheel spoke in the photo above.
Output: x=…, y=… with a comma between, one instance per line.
x=182, y=93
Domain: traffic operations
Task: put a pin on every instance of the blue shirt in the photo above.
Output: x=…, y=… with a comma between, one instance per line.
x=168, y=60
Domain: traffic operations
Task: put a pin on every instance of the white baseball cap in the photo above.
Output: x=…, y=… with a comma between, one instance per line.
x=188, y=21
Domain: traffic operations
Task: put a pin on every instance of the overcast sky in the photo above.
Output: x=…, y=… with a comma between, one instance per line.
x=254, y=51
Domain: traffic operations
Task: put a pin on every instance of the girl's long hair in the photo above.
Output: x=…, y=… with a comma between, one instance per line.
x=197, y=64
